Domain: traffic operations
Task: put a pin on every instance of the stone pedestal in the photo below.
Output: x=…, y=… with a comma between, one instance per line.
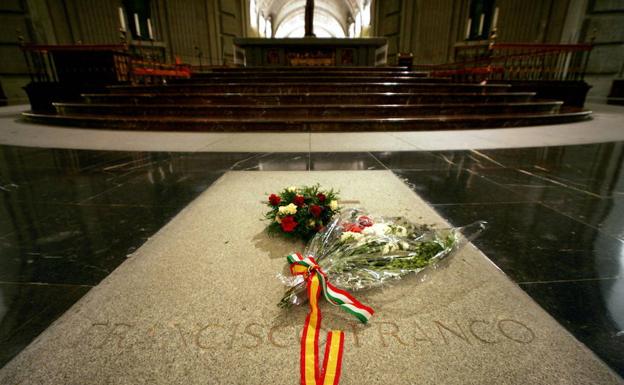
x=197, y=305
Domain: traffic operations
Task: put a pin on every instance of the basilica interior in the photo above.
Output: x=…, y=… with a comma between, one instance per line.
x=125, y=126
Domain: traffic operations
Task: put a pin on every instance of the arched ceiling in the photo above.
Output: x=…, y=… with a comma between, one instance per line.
x=326, y=24
x=331, y=17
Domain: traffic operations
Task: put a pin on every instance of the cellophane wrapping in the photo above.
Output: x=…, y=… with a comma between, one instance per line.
x=358, y=251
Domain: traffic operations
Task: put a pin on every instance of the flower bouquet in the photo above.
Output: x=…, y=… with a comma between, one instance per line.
x=301, y=212
x=358, y=251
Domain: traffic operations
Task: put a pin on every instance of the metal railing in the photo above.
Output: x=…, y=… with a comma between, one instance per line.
x=514, y=61
x=95, y=64
x=54, y=63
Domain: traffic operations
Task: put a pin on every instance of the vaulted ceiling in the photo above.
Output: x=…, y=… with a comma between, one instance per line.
x=331, y=17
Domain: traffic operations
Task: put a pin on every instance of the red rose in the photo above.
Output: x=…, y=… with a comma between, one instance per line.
x=274, y=199
x=299, y=200
x=352, y=227
x=316, y=211
x=365, y=221
x=321, y=197
x=288, y=224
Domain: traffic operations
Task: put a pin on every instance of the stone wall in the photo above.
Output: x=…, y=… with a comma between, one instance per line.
x=185, y=28
x=13, y=71
x=430, y=30
x=604, y=22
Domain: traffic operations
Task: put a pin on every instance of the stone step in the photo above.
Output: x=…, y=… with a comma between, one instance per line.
x=414, y=123
x=310, y=73
x=298, y=78
x=291, y=88
x=302, y=69
x=305, y=111
x=327, y=98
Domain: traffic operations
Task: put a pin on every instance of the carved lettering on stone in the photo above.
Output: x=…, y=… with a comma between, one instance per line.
x=379, y=334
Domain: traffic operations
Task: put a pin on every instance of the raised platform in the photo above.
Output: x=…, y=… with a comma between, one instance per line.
x=604, y=127
x=303, y=124
x=571, y=93
x=196, y=305
x=309, y=99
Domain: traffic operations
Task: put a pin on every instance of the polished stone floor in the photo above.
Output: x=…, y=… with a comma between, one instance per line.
x=69, y=217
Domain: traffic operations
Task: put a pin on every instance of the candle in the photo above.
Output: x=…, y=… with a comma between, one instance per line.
x=495, y=18
x=149, y=29
x=122, y=19
x=481, y=20
x=468, y=28
x=137, y=25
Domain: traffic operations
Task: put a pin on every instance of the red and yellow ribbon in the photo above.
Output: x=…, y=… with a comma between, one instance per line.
x=317, y=283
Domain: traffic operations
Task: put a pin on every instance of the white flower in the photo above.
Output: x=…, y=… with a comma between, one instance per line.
x=288, y=209
x=404, y=245
x=378, y=229
x=333, y=205
x=389, y=247
x=292, y=189
x=399, y=230
x=349, y=236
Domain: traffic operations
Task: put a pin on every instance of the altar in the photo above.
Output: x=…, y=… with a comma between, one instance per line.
x=310, y=51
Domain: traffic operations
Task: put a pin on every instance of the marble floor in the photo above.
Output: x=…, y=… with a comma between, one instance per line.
x=69, y=217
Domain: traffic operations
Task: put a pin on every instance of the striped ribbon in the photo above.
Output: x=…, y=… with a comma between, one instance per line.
x=317, y=283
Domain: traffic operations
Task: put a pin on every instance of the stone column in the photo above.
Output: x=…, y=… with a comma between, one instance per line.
x=309, y=19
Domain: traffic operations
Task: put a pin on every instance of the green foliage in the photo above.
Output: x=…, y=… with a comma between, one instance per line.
x=382, y=252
